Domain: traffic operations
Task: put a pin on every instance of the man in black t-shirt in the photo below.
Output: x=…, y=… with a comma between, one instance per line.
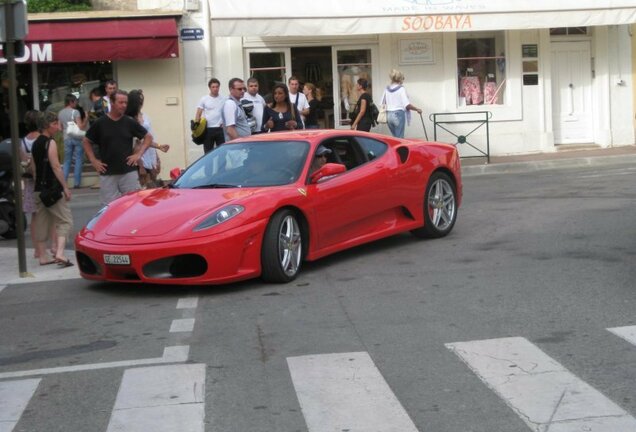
x=113, y=134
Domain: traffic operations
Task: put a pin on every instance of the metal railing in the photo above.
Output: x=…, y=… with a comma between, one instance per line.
x=445, y=120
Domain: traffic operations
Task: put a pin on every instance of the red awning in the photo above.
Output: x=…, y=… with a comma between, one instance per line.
x=101, y=40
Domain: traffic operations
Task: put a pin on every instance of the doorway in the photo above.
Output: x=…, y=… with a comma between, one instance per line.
x=572, y=111
x=313, y=64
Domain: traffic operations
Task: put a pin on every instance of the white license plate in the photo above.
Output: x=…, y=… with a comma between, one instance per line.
x=117, y=259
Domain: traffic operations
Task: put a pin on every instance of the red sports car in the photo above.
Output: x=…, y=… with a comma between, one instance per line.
x=259, y=206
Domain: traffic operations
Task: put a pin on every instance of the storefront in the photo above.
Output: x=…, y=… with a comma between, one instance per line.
x=75, y=53
x=548, y=73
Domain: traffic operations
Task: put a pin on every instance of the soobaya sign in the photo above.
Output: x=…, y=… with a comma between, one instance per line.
x=436, y=23
x=34, y=53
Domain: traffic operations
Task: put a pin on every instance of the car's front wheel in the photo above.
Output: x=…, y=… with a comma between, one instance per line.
x=281, y=254
x=440, y=207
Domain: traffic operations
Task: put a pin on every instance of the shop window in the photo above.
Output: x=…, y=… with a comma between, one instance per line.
x=568, y=31
x=269, y=69
x=352, y=65
x=481, y=65
x=56, y=80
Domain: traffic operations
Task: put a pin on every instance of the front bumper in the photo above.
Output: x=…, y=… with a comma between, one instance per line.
x=216, y=259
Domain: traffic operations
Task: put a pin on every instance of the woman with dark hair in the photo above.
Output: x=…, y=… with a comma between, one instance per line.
x=280, y=115
x=26, y=145
x=150, y=164
x=362, y=114
x=48, y=172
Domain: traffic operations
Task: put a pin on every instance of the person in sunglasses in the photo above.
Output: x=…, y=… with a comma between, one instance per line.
x=235, y=124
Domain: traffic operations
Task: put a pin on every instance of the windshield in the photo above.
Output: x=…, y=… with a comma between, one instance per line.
x=249, y=164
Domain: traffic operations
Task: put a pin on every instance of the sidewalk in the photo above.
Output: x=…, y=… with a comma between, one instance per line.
x=569, y=158
x=9, y=268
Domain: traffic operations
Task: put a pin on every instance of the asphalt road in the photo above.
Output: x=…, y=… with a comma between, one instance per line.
x=395, y=335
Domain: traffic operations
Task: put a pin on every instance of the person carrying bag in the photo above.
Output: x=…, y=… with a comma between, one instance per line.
x=51, y=193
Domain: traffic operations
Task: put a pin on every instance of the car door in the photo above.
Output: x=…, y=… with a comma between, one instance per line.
x=356, y=202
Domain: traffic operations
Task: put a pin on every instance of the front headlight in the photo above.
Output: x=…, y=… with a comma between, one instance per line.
x=91, y=223
x=220, y=216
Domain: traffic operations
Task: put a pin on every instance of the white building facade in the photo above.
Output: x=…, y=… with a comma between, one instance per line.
x=546, y=74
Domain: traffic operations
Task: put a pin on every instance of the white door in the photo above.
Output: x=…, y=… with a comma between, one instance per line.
x=572, y=113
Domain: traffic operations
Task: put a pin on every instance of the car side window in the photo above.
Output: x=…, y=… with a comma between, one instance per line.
x=372, y=148
x=345, y=151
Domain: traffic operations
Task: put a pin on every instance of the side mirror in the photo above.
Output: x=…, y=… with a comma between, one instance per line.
x=328, y=170
x=175, y=173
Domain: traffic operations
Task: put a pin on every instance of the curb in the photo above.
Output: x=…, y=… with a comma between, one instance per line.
x=35, y=272
x=530, y=166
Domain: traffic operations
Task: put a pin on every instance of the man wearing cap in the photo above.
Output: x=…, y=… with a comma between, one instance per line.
x=320, y=158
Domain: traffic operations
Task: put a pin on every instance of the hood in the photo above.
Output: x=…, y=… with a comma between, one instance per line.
x=158, y=212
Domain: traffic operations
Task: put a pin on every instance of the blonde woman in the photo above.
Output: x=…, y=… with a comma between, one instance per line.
x=313, y=95
x=398, y=106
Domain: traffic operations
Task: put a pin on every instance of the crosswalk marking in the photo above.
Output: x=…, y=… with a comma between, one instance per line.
x=346, y=392
x=172, y=354
x=188, y=303
x=182, y=325
x=160, y=399
x=628, y=333
x=14, y=397
x=539, y=389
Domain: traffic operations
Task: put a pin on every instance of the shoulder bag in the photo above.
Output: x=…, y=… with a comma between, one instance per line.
x=382, y=113
x=28, y=170
x=50, y=193
x=72, y=129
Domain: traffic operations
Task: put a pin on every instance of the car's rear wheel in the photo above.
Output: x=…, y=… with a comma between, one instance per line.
x=440, y=207
x=281, y=254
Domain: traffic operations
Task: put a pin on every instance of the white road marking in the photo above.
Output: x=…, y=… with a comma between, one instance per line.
x=346, y=392
x=14, y=398
x=540, y=390
x=182, y=325
x=160, y=399
x=188, y=303
x=174, y=354
x=628, y=333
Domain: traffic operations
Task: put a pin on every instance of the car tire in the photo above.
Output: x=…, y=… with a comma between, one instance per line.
x=282, y=250
x=440, y=207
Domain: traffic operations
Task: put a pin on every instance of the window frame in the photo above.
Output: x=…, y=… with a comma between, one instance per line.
x=511, y=107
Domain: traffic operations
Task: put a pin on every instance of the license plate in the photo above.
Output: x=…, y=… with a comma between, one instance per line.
x=117, y=259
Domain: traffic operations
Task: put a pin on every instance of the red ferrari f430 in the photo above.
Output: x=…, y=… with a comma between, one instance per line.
x=261, y=205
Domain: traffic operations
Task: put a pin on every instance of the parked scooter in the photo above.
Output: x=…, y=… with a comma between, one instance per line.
x=8, y=223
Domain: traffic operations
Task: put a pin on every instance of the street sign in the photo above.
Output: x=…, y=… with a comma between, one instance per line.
x=188, y=34
x=20, y=26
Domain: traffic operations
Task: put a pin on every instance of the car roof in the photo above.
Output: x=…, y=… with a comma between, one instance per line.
x=312, y=135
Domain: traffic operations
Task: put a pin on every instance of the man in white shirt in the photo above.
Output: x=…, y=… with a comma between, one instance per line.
x=298, y=99
x=257, y=101
x=211, y=106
